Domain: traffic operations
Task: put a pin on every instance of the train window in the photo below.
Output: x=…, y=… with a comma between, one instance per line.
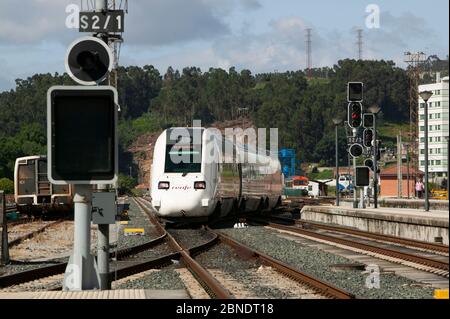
x=183, y=158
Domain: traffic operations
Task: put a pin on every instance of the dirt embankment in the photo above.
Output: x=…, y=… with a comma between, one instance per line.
x=142, y=148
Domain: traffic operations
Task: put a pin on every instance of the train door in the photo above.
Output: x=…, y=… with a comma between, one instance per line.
x=26, y=181
x=42, y=183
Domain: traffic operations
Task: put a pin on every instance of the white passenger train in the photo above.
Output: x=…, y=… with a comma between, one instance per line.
x=194, y=176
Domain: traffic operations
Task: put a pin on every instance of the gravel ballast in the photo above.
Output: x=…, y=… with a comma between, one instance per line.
x=244, y=272
x=166, y=278
x=137, y=219
x=319, y=264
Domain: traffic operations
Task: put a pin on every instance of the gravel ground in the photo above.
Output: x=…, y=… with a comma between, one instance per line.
x=189, y=238
x=222, y=257
x=318, y=264
x=166, y=278
x=138, y=219
x=55, y=242
x=17, y=231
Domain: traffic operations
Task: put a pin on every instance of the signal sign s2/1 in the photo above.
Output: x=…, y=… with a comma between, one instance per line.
x=102, y=22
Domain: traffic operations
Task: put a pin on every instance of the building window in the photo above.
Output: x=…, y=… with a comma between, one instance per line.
x=438, y=92
x=422, y=105
x=430, y=116
x=431, y=151
x=422, y=163
x=438, y=151
x=430, y=139
x=430, y=128
x=437, y=127
x=422, y=151
x=438, y=104
x=422, y=140
x=422, y=117
x=438, y=138
x=422, y=128
x=438, y=162
x=430, y=104
x=437, y=115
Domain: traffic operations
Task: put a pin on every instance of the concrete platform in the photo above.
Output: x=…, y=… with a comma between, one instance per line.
x=404, y=223
x=95, y=294
x=411, y=203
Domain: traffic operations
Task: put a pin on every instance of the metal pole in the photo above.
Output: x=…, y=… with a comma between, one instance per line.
x=103, y=251
x=103, y=256
x=448, y=163
x=81, y=272
x=407, y=170
x=101, y=5
x=375, y=162
x=427, y=201
x=4, y=258
x=355, y=195
x=337, y=168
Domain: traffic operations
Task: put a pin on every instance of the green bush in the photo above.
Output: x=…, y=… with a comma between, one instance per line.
x=126, y=184
x=7, y=185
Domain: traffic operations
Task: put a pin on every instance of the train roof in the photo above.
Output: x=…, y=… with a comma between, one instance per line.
x=31, y=157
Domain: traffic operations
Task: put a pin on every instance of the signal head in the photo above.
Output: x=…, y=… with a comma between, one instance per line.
x=368, y=137
x=356, y=150
x=355, y=92
x=355, y=114
x=88, y=61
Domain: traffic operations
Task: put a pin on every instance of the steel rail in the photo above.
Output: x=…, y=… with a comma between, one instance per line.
x=47, y=271
x=323, y=287
x=366, y=247
x=212, y=284
x=387, y=238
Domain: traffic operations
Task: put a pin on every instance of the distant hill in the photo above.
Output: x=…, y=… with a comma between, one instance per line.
x=302, y=109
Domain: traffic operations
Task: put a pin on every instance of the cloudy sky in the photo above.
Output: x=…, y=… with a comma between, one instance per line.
x=261, y=35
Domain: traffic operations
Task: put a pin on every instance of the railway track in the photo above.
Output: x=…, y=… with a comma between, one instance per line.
x=211, y=285
x=320, y=286
x=432, y=247
x=59, y=268
x=419, y=262
x=51, y=276
x=32, y=234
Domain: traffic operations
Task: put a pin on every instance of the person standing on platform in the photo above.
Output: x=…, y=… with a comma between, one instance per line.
x=419, y=189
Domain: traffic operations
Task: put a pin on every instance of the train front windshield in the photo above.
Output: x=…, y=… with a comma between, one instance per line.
x=182, y=154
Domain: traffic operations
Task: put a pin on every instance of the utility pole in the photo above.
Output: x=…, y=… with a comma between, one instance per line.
x=355, y=189
x=360, y=44
x=407, y=171
x=308, y=52
x=414, y=61
x=4, y=258
x=399, y=167
x=375, y=157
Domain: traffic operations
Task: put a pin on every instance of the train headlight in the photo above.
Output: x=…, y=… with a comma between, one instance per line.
x=199, y=185
x=163, y=185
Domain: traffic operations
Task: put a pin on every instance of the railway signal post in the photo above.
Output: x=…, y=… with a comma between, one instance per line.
x=355, y=96
x=375, y=109
x=82, y=151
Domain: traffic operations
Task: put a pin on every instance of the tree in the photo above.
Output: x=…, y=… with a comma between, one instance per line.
x=126, y=184
x=7, y=185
